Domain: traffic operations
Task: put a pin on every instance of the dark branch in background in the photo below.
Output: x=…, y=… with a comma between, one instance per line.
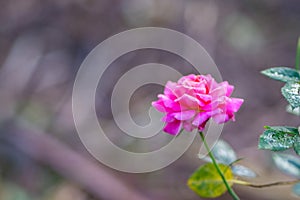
x=70, y=164
x=49, y=151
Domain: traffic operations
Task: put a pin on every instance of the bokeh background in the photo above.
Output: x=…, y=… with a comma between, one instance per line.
x=42, y=45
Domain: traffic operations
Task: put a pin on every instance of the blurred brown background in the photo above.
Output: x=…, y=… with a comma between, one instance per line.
x=42, y=45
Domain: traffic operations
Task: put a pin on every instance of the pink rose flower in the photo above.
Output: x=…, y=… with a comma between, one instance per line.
x=193, y=100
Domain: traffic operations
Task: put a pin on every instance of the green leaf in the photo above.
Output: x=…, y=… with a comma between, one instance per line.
x=283, y=74
x=286, y=129
x=296, y=189
x=295, y=111
x=222, y=152
x=291, y=92
x=278, y=138
x=207, y=182
x=288, y=164
x=240, y=170
x=297, y=145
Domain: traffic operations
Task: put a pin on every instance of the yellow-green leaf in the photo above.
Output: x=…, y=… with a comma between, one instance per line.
x=207, y=182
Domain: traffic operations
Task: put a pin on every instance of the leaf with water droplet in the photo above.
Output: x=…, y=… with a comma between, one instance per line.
x=291, y=92
x=297, y=145
x=295, y=111
x=278, y=138
x=288, y=164
x=283, y=74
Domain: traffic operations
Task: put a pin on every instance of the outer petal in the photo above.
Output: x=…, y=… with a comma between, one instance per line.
x=166, y=100
x=185, y=115
x=219, y=91
x=159, y=105
x=188, y=126
x=169, y=88
x=173, y=128
x=221, y=118
x=229, y=90
x=169, y=117
x=234, y=104
x=170, y=105
x=190, y=77
x=201, y=118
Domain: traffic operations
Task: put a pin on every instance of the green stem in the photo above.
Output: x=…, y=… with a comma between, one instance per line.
x=298, y=55
x=229, y=189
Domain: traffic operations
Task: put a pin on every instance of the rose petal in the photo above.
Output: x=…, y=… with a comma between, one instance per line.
x=219, y=91
x=166, y=100
x=173, y=128
x=170, y=105
x=188, y=126
x=201, y=118
x=185, y=115
x=168, y=117
x=168, y=91
x=230, y=89
x=221, y=118
x=159, y=105
x=204, y=97
x=234, y=104
x=187, y=101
